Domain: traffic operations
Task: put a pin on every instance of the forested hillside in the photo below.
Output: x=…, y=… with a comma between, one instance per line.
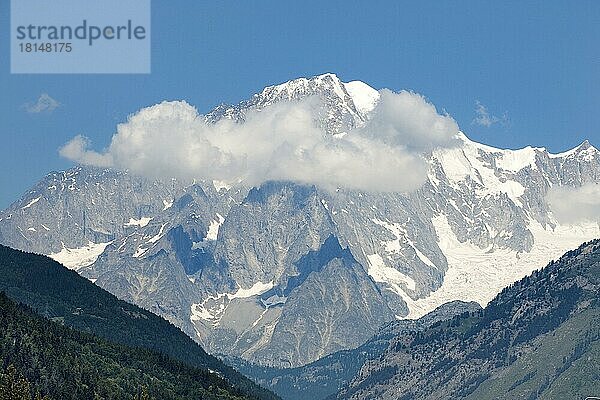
x=61, y=295
x=42, y=357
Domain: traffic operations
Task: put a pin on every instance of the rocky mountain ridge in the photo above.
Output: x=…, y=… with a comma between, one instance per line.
x=286, y=273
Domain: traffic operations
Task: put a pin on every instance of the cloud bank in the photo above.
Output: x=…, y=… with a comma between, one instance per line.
x=44, y=103
x=279, y=142
x=484, y=118
x=575, y=205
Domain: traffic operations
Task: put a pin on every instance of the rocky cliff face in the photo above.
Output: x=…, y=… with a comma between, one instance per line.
x=291, y=293
x=327, y=376
x=83, y=205
x=284, y=273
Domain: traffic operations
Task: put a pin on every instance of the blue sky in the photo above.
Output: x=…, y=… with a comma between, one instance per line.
x=534, y=66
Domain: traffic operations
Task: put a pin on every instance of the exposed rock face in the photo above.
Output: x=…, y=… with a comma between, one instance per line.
x=284, y=273
x=69, y=209
x=330, y=374
x=301, y=294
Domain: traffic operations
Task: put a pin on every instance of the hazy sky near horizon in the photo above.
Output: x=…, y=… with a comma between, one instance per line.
x=511, y=73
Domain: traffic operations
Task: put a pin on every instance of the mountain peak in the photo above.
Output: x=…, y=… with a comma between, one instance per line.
x=365, y=98
x=585, y=145
x=346, y=105
x=586, y=151
x=327, y=75
x=357, y=96
x=305, y=86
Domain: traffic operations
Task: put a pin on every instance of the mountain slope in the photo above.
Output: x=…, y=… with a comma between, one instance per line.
x=539, y=338
x=200, y=254
x=67, y=364
x=328, y=375
x=62, y=295
x=61, y=215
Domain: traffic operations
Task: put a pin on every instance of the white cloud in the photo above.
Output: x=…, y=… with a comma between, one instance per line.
x=77, y=149
x=280, y=142
x=407, y=120
x=574, y=205
x=44, y=103
x=484, y=118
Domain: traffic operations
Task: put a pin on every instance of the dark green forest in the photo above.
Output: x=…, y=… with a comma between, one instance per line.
x=139, y=345
x=41, y=357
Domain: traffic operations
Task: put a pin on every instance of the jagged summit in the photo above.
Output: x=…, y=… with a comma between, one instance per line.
x=361, y=94
x=346, y=105
x=297, y=84
x=585, y=146
x=302, y=87
x=585, y=151
x=516, y=159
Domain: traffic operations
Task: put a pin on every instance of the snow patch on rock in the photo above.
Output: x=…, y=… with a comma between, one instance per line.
x=32, y=202
x=142, y=222
x=365, y=98
x=79, y=257
x=213, y=307
x=213, y=229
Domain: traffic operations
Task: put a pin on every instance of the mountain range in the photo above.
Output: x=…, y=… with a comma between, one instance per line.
x=284, y=273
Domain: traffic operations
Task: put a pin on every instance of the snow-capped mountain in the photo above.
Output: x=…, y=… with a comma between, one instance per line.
x=347, y=105
x=285, y=273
